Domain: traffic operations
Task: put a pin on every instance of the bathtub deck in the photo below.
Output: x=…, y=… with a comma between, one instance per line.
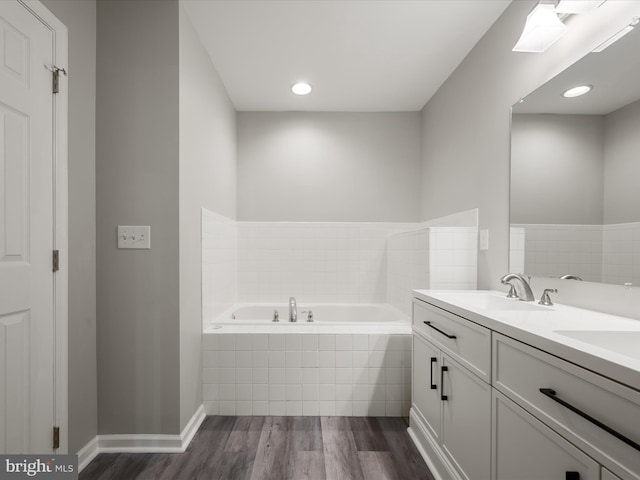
x=278, y=448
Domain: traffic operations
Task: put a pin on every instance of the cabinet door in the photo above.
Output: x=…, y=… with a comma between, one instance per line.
x=466, y=420
x=425, y=370
x=526, y=449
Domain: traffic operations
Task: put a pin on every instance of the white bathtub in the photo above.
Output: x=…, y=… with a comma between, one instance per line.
x=327, y=318
x=352, y=360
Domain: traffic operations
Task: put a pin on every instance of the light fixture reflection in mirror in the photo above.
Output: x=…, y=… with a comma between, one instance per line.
x=575, y=172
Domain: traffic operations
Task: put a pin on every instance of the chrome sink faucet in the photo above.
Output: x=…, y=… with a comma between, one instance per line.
x=293, y=310
x=521, y=285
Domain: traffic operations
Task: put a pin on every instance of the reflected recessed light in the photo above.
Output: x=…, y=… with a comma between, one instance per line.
x=577, y=91
x=301, y=88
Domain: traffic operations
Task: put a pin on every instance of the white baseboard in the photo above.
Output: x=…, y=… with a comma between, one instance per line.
x=141, y=443
x=87, y=453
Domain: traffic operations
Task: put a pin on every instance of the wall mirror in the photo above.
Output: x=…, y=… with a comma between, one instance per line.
x=575, y=171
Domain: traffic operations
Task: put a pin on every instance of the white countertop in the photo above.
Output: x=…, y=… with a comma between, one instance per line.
x=539, y=328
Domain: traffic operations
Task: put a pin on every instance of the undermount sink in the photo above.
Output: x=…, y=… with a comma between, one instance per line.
x=619, y=341
x=492, y=302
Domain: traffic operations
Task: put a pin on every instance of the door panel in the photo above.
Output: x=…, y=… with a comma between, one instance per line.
x=14, y=176
x=526, y=449
x=425, y=374
x=466, y=421
x=27, y=359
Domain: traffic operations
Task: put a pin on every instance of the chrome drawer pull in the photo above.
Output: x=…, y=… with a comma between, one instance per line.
x=549, y=392
x=428, y=324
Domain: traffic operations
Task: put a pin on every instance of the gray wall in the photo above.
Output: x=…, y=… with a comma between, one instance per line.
x=328, y=166
x=80, y=19
x=207, y=179
x=137, y=184
x=557, y=169
x=622, y=165
x=465, y=126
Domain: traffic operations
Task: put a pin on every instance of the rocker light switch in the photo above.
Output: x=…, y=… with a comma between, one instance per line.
x=484, y=239
x=131, y=236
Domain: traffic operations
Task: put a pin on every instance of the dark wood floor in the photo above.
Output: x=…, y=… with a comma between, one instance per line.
x=278, y=448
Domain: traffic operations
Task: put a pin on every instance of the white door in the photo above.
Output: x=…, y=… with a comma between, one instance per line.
x=27, y=336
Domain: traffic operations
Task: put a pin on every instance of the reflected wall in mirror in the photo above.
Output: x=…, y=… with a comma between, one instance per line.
x=575, y=172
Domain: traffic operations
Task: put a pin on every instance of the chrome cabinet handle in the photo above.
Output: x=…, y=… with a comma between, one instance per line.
x=549, y=392
x=428, y=324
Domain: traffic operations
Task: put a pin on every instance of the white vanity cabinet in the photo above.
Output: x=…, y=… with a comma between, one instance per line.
x=451, y=396
x=563, y=395
x=487, y=405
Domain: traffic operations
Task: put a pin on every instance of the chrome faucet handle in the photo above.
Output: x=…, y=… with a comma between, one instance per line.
x=545, y=299
x=276, y=316
x=310, y=316
x=512, y=291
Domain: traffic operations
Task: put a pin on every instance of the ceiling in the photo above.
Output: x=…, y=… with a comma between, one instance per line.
x=359, y=55
x=613, y=73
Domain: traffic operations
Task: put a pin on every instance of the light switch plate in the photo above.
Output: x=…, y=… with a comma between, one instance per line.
x=484, y=239
x=134, y=236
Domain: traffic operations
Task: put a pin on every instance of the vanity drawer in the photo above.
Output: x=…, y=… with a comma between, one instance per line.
x=517, y=434
x=465, y=341
x=520, y=372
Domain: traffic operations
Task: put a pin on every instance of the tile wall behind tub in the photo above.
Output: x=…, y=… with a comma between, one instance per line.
x=621, y=254
x=453, y=258
x=436, y=257
x=555, y=250
x=517, y=237
x=219, y=264
x=315, y=262
x=407, y=267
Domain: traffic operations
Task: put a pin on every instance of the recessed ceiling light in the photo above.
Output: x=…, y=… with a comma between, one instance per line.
x=577, y=91
x=301, y=88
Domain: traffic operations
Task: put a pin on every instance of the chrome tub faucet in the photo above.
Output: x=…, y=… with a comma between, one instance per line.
x=293, y=310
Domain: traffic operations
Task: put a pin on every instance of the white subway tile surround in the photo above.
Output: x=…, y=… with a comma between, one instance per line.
x=621, y=253
x=517, y=237
x=598, y=253
x=335, y=378
x=219, y=263
x=355, y=373
x=317, y=262
x=430, y=258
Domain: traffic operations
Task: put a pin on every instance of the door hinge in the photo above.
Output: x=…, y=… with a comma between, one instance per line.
x=56, y=260
x=56, y=437
x=56, y=77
